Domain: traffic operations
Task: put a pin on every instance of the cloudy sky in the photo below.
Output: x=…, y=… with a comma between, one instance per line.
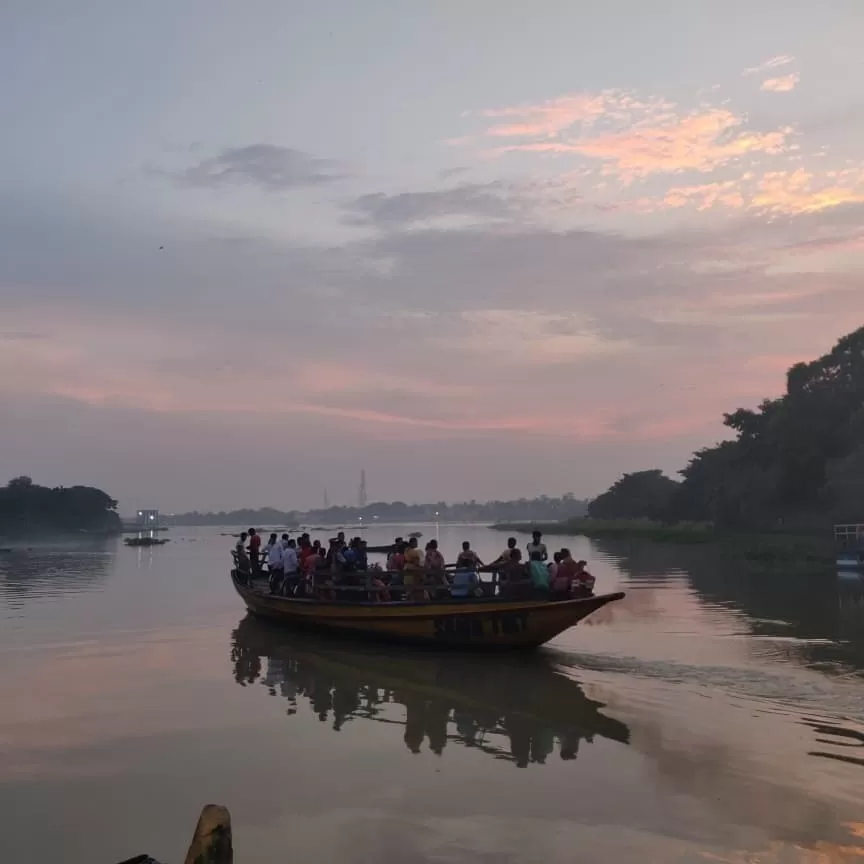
x=481, y=249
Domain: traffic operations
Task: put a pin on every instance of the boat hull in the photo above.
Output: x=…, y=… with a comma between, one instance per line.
x=480, y=623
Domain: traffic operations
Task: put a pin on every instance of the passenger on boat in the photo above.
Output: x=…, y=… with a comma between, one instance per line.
x=376, y=587
x=562, y=587
x=275, y=564
x=465, y=584
x=553, y=567
x=414, y=576
x=504, y=557
x=266, y=552
x=539, y=574
x=244, y=566
x=360, y=555
x=255, y=549
x=396, y=559
x=397, y=543
x=512, y=575
x=537, y=545
x=335, y=557
x=290, y=565
x=583, y=581
x=435, y=568
x=468, y=559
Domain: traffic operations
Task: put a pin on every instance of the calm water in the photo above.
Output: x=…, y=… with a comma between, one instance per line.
x=707, y=717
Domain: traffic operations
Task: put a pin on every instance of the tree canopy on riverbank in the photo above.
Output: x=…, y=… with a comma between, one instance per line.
x=27, y=508
x=796, y=461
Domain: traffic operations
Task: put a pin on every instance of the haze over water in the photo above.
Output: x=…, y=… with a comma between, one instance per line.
x=707, y=717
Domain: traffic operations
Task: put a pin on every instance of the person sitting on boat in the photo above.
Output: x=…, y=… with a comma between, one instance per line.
x=465, y=584
x=414, y=575
x=376, y=588
x=537, y=545
x=583, y=581
x=539, y=574
x=553, y=566
x=468, y=559
x=562, y=587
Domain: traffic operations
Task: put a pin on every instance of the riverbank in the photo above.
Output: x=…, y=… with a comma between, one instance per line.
x=766, y=550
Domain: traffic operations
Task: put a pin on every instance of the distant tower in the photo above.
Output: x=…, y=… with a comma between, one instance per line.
x=361, y=495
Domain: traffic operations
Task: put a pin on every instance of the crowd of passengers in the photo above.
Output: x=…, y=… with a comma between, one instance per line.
x=304, y=567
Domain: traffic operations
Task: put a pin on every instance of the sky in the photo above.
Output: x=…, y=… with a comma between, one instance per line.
x=482, y=250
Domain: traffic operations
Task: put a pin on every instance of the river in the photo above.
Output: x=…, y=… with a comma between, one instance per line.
x=712, y=715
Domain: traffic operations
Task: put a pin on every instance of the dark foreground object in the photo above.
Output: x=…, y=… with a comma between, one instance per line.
x=211, y=843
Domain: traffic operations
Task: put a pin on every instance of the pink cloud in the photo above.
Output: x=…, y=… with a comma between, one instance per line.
x=551, y=117
x=773, y=63
x=783, y=84
x=699, y=142
x=800, y=191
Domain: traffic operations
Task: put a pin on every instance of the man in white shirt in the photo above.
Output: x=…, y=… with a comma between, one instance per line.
x=537, y=546
x=275, y=566
x=290, y=564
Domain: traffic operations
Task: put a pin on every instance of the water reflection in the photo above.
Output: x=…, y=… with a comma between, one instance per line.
x=818, y=614
x=39, y=569
x=517, y=709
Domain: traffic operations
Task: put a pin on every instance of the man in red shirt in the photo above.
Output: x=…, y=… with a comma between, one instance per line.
x=254, y=549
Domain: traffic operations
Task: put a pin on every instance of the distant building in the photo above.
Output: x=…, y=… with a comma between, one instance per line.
x=147, y=518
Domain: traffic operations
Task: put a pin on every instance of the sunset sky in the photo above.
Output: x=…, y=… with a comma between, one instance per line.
x=480, y=249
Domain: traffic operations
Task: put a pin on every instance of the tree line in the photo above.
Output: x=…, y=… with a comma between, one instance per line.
x=539, y=509
x=26, y=508
x=796, y=461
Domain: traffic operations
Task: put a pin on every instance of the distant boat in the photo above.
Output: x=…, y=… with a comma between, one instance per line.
x=849, y=540
x=145, y=541
x=416, y=534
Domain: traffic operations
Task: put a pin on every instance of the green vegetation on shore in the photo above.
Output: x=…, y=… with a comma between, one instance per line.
x=796, y=463
x=27, y=508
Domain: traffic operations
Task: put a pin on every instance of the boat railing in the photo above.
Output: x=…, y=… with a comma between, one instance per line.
x=849, y=535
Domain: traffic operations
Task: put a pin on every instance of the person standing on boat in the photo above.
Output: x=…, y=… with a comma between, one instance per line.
x=537, y=545
x=504, y=558
x=255, y=549
x=290, y=564
x=270, y=543
x=275, y=564
x=539, y=574
x=243, y=564
x=434, y=565
x=468, y=559
x=414, y=573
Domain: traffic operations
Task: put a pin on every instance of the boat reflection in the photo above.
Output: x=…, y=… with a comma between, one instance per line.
x=516, y=708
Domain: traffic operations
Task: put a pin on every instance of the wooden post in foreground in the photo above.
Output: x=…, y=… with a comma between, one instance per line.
x=211, y=843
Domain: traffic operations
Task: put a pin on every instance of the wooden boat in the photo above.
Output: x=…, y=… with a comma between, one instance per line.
x=489, y=622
